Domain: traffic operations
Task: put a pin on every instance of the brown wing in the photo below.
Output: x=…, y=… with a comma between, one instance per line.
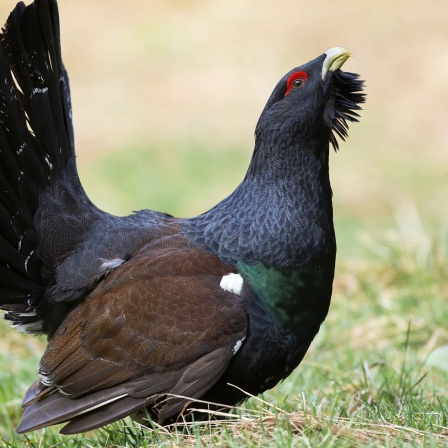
x=158, y=324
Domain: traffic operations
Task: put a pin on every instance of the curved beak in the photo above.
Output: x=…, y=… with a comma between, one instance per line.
x=335, y=58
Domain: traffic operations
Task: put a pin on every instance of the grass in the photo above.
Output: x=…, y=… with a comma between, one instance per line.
x=370, y=377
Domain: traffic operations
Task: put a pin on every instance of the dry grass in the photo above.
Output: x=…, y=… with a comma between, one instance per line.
x=269, y=424
x=359, y=433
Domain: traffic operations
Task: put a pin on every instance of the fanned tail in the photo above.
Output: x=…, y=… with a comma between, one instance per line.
x=36, y=150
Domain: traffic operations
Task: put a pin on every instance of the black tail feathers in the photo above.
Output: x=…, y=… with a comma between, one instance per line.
x=36, y=145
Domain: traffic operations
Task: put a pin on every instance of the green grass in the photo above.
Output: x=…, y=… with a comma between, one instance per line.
x=370, y=377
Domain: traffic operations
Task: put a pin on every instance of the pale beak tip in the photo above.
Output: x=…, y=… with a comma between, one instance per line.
x=335, y=58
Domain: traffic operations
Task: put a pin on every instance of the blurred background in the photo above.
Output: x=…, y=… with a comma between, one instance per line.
x=166, y=96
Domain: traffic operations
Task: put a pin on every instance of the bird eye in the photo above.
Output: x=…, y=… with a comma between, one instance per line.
x=296, y=81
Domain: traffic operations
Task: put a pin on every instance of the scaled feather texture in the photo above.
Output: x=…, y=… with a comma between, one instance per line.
x=147, y=313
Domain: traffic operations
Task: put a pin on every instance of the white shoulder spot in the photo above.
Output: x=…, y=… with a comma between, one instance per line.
x=232, y=283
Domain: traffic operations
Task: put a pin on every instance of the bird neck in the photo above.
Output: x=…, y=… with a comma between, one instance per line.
x=280, y=215
x=277, y=229
x=294, y=280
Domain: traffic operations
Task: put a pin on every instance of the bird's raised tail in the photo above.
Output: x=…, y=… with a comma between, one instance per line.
x=37, y=168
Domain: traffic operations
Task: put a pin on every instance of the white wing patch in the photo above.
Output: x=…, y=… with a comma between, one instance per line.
x=29, y=313
x=108, y=265
x=232, y=283
x=30, y=328
x=45, y=380
x=238, y=345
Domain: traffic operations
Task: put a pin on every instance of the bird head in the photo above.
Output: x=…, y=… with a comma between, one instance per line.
x=316, y=97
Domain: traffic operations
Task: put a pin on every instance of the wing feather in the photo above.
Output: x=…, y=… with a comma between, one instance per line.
x=156, y=333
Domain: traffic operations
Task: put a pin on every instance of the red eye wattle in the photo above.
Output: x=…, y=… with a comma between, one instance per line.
x=295, y=81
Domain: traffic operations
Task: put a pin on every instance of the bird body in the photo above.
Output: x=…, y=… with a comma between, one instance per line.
x=149, y=312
